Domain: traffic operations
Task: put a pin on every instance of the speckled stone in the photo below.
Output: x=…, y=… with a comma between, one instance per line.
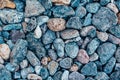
x=114, y=39
x=117, y=54
x=33, y=77
x=74, y=67
x=103, y=36
x=101, y=76
x=66, y=63
x=113, y=7
x=76, y=76
x=94, y=57
x=61, y=2
x=65, y=75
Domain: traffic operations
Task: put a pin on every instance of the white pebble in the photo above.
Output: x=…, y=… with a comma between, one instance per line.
x=33, y=77
x=94, y=57
x=24, y=64
x=65, y=75
x=37, y=32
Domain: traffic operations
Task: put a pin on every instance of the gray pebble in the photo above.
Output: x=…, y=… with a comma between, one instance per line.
x=66, y=63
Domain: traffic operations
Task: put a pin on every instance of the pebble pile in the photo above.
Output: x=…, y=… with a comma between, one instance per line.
x=59, y=39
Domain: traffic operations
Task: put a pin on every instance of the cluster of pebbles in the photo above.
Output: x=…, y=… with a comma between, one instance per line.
x=59, y=39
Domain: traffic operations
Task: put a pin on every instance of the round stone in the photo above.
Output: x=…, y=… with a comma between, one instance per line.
x=66, y=63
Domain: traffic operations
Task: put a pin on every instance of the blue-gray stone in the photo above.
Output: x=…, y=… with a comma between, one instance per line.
x=106, y=51
x=92, y=32
x=44, y=73
x=74, y=22
x=48, y=37
x=115, y=75
x=49, y=78
x=90, y=69
x=102, y=76
x=42, y=19
x=76, y=76
x=11, y=67
x=89, y=78
x=104, y=2
x=104, y=19
x=75, y=3
x=62, y=11
x=17, y=75
x=19, y=5
x=46, y=3
x=57, y=75
x=11, y=16
x=66, y=63
x=5, y=34
x=117, y=2
x=52, y=54
x=115, y=30
x=88, y=19
x=110, y=65
x=71, y=49
x=92, y=46
x=92, y=7
x=117, y=54
x=1, y=40
x=11, y=44
x=34, y=61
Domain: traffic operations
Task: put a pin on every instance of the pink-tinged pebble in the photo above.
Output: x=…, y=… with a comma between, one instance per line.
x=74, y=67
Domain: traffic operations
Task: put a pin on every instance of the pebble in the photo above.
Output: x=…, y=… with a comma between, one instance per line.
x=59, y=46
x=61, y=2
x=102, y=76
x=104, y=2
x=6, y=3
x=17, y=75
x=74, y=22
x=114, y=39
x=44, y=73
x=117, y=54
x=106, y=51
x=71, y=49
x=52, y=54
x=66, y=63
x=24, y=64
x=42, y=19
x=109, y=19
x=56, y=24
x=37, y=32
x=89, y=78
x=49, y=78
x=90, y=69
x=69, y=34
x=1, y=60
x=33, y=8
x=74, y=67
x=4, y=51
x=113, y=7
x=103, y=36
x=37, y=69
x=117, y=66
x=83, y=56
x=115, y=75
x=19, y=5
x=11, y=16
x=57, y=75
x=94, y=57
x=92, y=7
x=44, y=61
x=76, y=76
x=12, y=67
x=85, y=42
x=34, y=61
x=75, y=3
x=33, y=77
x=118, y=4
x=88, y=19
x=118, y=18
x=92, y=46
x=52, y=67
x=65, y=75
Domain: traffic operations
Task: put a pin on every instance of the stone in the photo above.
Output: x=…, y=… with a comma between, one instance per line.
x=114, y=39
x=115, y=30
x=56, y=24
x=59, y=46
x=110, y=65
x=71, y=49
x=11, y=16
x=69, y=34
x=103, y=36
x=89, y=78
x=44, y=73
x=106, y=51
x=19, y=51
x=117, y=54
x=61, y=2
x=49, y=78
x=74, y=67
x=85, y=42
x=92, y=46
x=37, y=69
x=94, y=57
x=46, y=3
x=19, y=5
x=37, y=32
x=75, y=3
x=52, y=54
x=118, y=18
x=1, y=40
x=117, y=4
x=74, y=22
x=42, y=19
x=101, y=76
x=65, y=75
x=1, y=60
x=80, y=11
x=66, y=11
x=92, y=7
x=44, y=61
x=89, y=69
x=24, y=64
x=117, y=66
x=83, y=56
x=115, y=75
x=4, y=51
x=57, y=75
x=33, y=8
x=66, y=63
x=33, y=77
x=88, y=19
x=113, y=7
x=104, y=19
x=6, y=3
x=52, y=67
x=17, y=75
x=34, y=61
x=104, y=2
x=10, y=44
x=12, y=67
x=76, y=76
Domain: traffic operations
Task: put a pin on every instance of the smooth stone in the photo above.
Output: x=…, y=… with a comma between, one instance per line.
x=106, y=51
x=92, y=46
x=83, y=56
x=114, y=39
x=33, y=77
x=59, y=46
x=37, y=69
x=65, y=75
x=71, y=49
x=44, y=73
x=33, y=8
x=57, y=75
x=52, y=54
x=34, y=61
x=118, y=18
x=69, y=34
x=4, y=51
x=113, y=7
x=103, y=36
x=11, y=16
x=110, y=65
x=12, y=67
x=117, y=54
x=61, y=2
x=104, y=19
x=24, y=64
x=52, y=67
x=56, y=24
x=117, y=66
x=1, y=60
x=66, y=63
x=88, y=19
x=42, y=19
x=76, y=76
x=37, y=32
x=115, y=75
x=74, y=22
x=89, y=69
x=94, y=57
x=49, y=78
x=101, y=76
x=17, y=75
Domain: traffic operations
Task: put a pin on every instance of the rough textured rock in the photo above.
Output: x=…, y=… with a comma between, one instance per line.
x=76, y=76
x=66, y=63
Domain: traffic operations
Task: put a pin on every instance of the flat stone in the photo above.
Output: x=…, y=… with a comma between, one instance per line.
x=65, y=75
x=103, y=36
x=76, y=76
x=69, y=33
x=117, y=54
x=83, y=56
x=4, y=51
x=106, y=51
x=56, y=24
x=33, y=77
x=61, y=2
x=66, y=63
x=101, y=76
x=113, y=7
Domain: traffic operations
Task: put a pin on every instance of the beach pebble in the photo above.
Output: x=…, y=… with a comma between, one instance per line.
x=101, y=76
x=57, y=75
x=76, y=76
x=1, y=60
x=66, y=63
x=42, y=19
x=94, y=57
x=37, y=32
x=74, y=67
x=115, y=75
x=103, y=36
x=33, y=77
x=65, y=75
x=44, y=73
x=113, y=7
x=24, y=64
x=61, y=2
x=114, y=39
